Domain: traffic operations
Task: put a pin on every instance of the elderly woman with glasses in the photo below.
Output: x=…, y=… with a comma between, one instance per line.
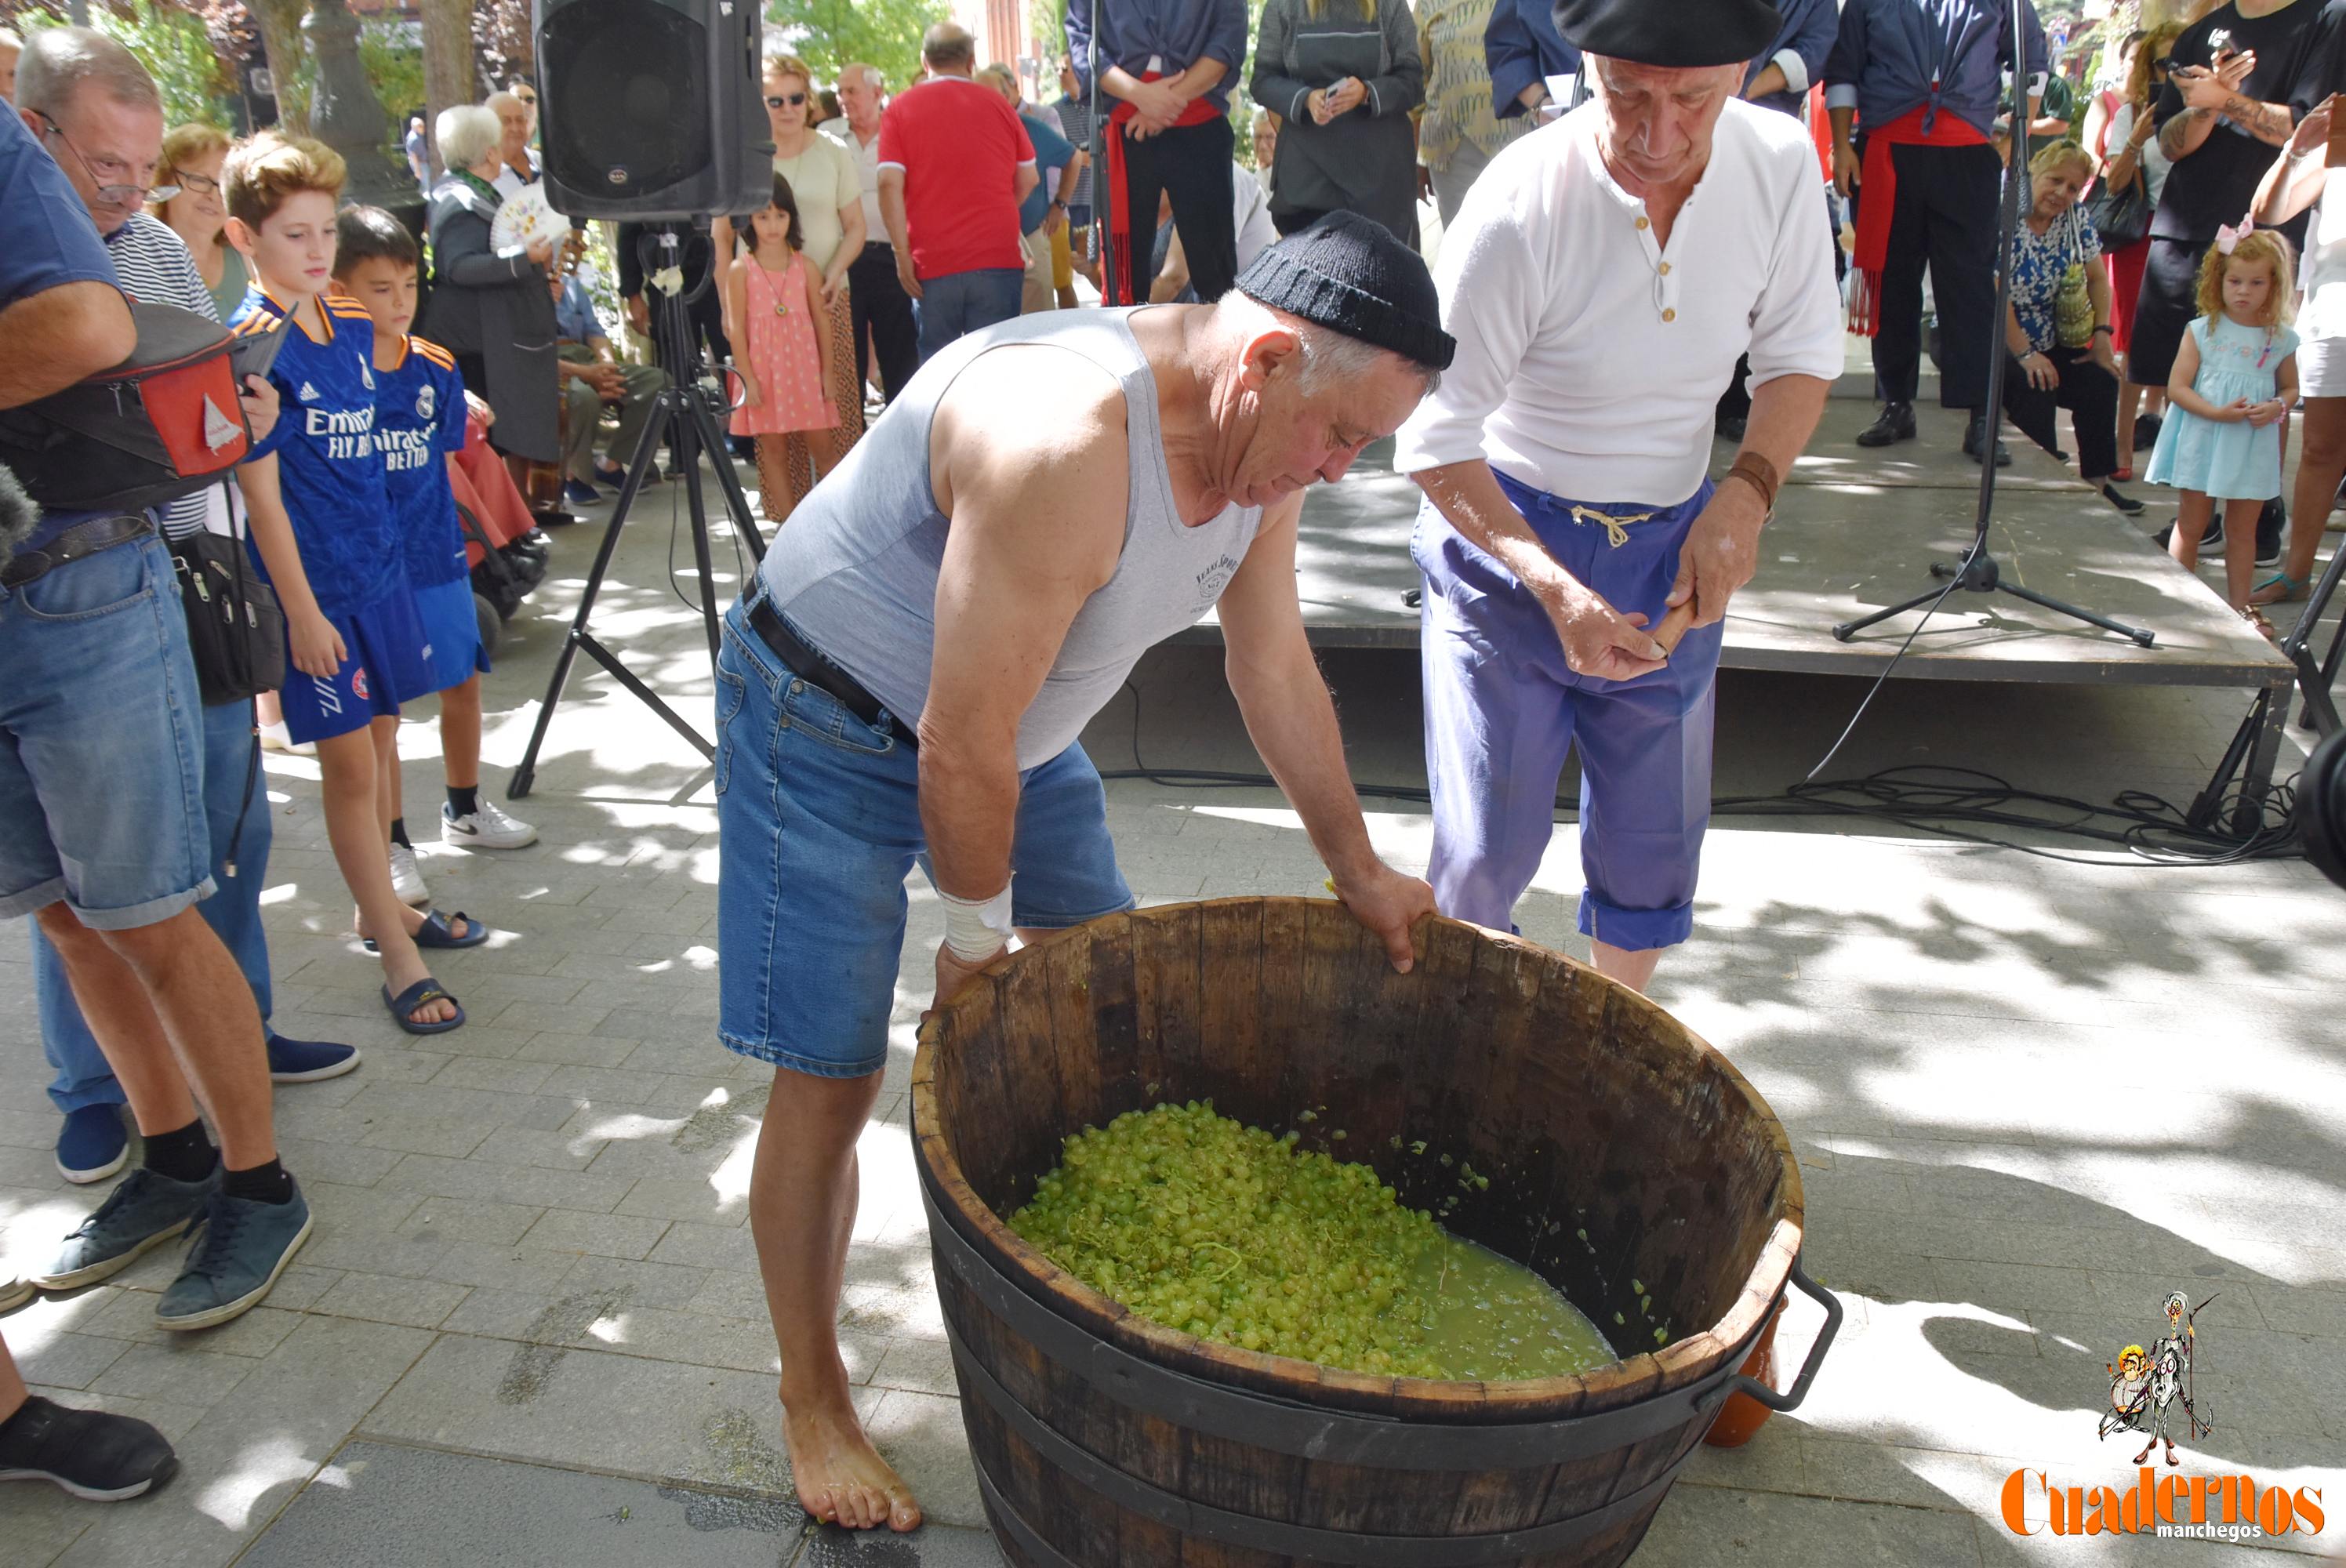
x=829, y=190
x=2057, y=327
x=494, y=313
x=187, y=196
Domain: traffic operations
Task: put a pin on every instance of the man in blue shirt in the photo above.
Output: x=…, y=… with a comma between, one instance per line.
x=1923, y=78
x=1046, y=206
x=1780, y=80
x=101, y=686
x=1165, y=70
x=593, y=376
x=1525, y=51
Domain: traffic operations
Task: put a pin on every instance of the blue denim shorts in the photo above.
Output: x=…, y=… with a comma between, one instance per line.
x=101, y=743
x=819, y=815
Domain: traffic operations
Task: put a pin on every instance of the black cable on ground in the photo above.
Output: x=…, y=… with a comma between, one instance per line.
x=1957, y=803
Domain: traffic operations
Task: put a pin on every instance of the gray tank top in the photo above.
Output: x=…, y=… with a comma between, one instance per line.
x=856, y=569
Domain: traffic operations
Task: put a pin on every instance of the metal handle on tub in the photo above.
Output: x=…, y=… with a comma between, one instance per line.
x=1790, y=1398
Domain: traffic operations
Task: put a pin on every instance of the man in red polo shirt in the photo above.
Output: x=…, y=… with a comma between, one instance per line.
x=955, y=164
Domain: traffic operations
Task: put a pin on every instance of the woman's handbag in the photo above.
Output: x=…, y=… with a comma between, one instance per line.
x=235, y=629
x=2073, y=311
x=2121, y=217
x=2072, y=308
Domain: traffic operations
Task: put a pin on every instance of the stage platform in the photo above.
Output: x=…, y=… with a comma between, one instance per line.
x=1856, y=531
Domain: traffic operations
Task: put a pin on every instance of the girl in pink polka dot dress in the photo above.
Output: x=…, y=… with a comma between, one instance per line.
x=773, y=305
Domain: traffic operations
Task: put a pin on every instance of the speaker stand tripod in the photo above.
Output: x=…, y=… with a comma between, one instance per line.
x=2261, y=727
x=1977, y=571
x=681, y=415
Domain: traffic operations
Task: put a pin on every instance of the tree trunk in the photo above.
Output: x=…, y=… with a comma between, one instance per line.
x=448, y=72
x=283, y=45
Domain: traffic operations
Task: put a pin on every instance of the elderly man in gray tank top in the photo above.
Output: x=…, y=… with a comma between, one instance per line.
x=906, y=678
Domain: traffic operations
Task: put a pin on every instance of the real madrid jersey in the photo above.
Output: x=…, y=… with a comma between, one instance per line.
x=328, y=466
x=419, y=424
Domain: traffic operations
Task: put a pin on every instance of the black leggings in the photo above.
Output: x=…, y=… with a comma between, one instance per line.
x=2089, y=392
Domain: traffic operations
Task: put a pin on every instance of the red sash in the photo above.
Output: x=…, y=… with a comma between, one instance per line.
x=1116, y=281
x=1878, y=200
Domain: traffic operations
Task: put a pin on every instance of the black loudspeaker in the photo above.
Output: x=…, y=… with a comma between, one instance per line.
x=650, y=109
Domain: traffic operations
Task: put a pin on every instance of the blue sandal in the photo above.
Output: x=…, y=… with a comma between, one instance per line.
x=436, y=932
x=424, y=991
x=2292, y=589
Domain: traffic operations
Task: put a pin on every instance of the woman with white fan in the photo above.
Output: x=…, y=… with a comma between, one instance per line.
x=490, y=305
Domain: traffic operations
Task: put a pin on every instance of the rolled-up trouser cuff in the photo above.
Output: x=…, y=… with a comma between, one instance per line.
x=1634, y=931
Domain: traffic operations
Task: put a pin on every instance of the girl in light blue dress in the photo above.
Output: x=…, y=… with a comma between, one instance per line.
x=2235, y=379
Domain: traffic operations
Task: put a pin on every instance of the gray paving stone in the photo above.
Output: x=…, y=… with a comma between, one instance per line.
x=396, y=1507
x=450, y=1219
x=426, y=1174
x=930, y=1546
x=187, y=1372
x=389, y=1299
x=555, y=1405
x=65, y=1359
x=1706, y=1527
x=602, y=1235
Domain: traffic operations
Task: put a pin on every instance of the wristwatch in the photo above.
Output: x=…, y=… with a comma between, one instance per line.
x=1057, y=203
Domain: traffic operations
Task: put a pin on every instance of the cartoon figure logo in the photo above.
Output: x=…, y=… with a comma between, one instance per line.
x=2145, y=1386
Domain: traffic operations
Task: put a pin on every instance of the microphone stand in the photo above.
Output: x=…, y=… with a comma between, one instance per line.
x=1977, y=571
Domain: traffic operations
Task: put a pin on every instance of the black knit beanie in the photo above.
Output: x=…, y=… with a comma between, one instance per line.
x=1349, y=274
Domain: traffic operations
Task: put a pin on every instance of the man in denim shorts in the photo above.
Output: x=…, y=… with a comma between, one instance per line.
x=905, y=680
x=103, y=835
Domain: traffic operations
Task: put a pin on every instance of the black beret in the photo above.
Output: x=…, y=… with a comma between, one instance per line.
x=1349, y=274
x=1678, y=33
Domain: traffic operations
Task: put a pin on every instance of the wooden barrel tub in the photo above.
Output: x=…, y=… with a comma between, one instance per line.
x=1628, y=1162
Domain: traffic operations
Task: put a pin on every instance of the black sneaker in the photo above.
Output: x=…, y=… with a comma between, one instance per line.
x=2207, y=541
x=1975, y=439
x=2272, y=523
x=2119, y=499
x=2146, y=431
x=1895, y=423
x=97, y=1457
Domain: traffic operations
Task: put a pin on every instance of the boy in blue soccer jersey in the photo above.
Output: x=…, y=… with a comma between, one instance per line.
x=324, y=531
x=419, y=426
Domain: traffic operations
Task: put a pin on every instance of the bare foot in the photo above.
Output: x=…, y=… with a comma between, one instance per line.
x=841, y=1479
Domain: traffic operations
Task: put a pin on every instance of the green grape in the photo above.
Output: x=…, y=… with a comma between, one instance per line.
x=1234, y=1234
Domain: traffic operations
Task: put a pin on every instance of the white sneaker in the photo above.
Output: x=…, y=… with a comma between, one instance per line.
x=273, y=738
x=407, y=877
x=485, y=828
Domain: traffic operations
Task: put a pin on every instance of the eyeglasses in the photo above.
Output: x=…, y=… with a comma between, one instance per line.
x=776, y=100
x=107, y=174
x=184, y=183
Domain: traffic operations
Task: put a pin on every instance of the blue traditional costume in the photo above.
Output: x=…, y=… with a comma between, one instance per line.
x=1921, y=78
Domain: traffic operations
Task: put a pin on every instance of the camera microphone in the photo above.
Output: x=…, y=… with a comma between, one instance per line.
x=18, y=515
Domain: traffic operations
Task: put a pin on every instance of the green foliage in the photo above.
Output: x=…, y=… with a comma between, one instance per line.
x=829, y=33
x=395, y=65
x=172, y=44
x=393, y=56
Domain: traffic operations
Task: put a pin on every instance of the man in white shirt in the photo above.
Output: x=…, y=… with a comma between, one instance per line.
x=1601, y=279
x=519, y=120
x=877, y=304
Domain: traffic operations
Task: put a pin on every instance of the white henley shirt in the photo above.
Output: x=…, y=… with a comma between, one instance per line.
x=1590, y=359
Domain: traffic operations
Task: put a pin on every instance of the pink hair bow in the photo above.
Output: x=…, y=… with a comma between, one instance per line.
x=2227, y=239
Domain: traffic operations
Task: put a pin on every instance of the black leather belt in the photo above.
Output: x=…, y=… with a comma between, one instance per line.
x=819, y=672
x=80, y=540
